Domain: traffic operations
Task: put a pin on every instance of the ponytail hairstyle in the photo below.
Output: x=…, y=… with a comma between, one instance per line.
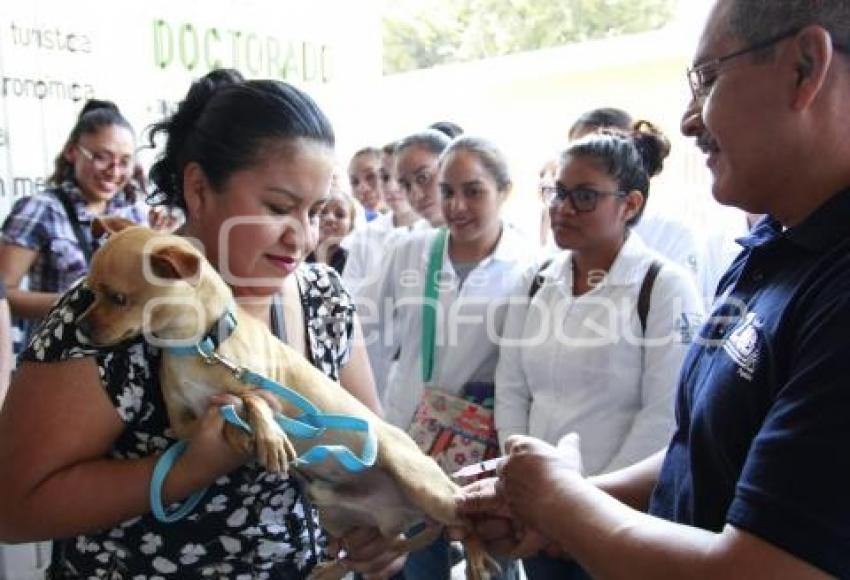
x=224, y=124
x=94, y=116
x=632, y=158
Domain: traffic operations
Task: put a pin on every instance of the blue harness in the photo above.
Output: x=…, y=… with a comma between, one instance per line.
x=309, y=424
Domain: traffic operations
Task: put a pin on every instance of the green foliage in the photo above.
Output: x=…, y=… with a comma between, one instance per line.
x=424, y=33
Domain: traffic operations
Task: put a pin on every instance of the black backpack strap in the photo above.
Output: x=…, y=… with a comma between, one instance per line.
x=71, y=211
x=538, y=280
x=646, y=293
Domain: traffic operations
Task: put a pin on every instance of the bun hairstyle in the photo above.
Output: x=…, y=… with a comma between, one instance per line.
x=653, y=146
x=225, y=124
x=629, y=157
x=94, y=116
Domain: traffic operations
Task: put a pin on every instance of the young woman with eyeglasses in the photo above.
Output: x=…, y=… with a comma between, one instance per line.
x=47, y=236
x=583, y=352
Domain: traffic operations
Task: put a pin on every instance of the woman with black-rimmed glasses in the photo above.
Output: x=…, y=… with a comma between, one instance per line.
x=595, y=338
x=47, y=236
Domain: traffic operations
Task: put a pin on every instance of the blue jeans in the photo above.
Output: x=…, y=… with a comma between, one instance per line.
x=434, y=563
x=546, y=568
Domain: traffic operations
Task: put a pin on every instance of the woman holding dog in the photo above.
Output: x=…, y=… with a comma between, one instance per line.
x=472, y=264
x=47, y=236
x=250, y=164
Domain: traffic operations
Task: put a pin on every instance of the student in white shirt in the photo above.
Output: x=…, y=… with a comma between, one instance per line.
x=416, y=169
x=368, y=245
x=416, y=166
x=482, y=261
x=363, y=172
x=574, y=359
x=367, y=249
x=663, y=233
x=577, y=357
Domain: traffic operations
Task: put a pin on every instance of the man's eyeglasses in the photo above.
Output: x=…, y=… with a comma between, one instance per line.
x=582, y=199
x=702, y=76
x=103, y=161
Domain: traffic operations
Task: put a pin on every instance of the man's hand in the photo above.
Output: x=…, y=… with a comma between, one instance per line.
x=535, y=477
x=491, y=521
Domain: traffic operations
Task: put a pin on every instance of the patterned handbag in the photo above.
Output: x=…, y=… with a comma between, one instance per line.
x=455, y=431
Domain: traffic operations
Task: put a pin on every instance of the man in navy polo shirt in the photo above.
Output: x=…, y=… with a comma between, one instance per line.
x=756, y=480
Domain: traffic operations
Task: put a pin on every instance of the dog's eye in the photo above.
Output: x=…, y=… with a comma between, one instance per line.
x=117, y=298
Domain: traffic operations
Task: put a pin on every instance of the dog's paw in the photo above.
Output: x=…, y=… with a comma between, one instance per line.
x=289, y=449
x=479, y=564
x=274, y=452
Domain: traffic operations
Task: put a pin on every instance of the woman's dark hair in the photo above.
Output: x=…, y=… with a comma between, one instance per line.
x=493, y=160
x=448, y=128
x=430, y=139
x=601, y=118
x=389, y=148
x=94, y=116
x=632, y=158
x=224, y=123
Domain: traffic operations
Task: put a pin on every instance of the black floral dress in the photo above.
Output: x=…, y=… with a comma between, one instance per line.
x=251, y=524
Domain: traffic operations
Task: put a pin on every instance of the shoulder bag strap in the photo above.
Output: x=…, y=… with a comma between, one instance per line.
x=74, y=220
x=646, y=293
x=538, y=279
x=429, y=304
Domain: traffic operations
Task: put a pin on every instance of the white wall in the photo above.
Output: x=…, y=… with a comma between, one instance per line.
x=143, y=55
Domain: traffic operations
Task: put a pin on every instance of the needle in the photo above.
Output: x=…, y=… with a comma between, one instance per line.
x=479, y=468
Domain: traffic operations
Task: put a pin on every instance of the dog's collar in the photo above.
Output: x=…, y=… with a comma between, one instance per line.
x=218, y=333
x=310, y=423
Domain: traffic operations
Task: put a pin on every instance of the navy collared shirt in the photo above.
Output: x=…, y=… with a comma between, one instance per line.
x=763, y=407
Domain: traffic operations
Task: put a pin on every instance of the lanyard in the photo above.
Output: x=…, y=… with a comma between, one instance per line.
x=310, y=423
x=74, y=220
x=429, y=304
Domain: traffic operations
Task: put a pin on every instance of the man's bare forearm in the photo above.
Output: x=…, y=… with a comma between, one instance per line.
x=633, y=485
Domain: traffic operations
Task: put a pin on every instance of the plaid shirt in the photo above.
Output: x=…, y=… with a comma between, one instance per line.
x=39, y=222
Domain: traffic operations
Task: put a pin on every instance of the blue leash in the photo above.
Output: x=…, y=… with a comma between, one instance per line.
x=309, y=424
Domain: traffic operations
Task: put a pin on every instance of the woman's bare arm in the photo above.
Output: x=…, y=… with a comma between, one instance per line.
x=15, y=263
x=56, y=477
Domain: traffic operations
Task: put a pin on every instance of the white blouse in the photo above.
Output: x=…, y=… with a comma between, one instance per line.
x=469, y=318
x=576, y=364
x=368, y=250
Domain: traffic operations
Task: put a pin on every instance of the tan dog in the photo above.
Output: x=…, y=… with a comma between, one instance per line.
x=404, y=486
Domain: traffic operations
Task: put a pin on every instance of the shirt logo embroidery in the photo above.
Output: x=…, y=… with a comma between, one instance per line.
x=744, y=345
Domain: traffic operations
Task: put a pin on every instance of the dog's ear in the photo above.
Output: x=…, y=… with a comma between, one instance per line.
x=175, y=263
x=109, y=225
